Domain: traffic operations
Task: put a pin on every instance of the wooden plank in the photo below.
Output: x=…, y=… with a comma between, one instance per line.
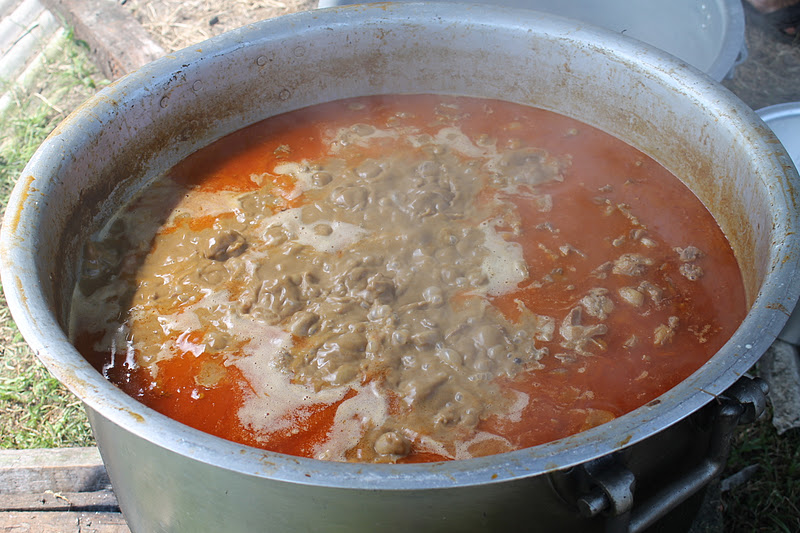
x=117, y=41
x=55, y=522
x=95, y=502
x=54, y=469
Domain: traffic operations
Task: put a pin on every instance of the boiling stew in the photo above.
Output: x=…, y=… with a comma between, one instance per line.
x=405, y=279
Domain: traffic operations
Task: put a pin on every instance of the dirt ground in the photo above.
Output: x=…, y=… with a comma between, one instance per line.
x=175, y=24
x=771, y=73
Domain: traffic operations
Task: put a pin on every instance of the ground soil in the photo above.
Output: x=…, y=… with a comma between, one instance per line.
x=771, y=73
x=175, y=24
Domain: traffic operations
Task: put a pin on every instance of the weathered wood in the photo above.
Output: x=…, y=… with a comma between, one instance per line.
x=117, y=41
x=63, y=490
x=57, y=522
x=54, y=469
x=101, y=501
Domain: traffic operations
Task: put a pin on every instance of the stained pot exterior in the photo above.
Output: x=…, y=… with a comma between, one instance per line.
x=169, y=477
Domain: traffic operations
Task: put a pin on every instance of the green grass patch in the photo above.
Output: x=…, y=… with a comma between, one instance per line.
x=36, y=411
x=770, y=500
x=63, y=81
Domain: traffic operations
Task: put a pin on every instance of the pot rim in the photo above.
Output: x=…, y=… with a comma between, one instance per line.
x=39, y=325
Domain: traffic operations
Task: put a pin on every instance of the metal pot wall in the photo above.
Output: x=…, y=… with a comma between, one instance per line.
x=169, y=477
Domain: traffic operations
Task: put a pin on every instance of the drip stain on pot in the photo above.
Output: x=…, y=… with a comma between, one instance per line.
x=26, y=185
x=136, y=416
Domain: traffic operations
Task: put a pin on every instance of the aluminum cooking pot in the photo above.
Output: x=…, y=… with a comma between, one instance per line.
x=169, y=477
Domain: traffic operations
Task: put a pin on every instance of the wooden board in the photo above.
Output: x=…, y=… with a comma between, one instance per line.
x=64, y=490
x=101, y=501
x=54, y=469
x=62, y=522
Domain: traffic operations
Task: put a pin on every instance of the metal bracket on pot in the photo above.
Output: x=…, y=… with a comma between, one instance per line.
x=605, y=487
x=611, y=494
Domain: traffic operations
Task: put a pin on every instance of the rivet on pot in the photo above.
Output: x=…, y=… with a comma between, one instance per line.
x=299, y=51
x=284, y=94
x=164, y=102
x=261, y=61
x=197, y=86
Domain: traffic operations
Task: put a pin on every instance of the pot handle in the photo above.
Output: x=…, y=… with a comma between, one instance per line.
x=613, y=485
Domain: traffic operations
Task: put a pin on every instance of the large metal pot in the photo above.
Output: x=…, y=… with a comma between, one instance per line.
x=169, y=477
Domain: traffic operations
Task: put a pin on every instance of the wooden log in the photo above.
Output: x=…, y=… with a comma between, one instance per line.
x=119, y=44
x=54, y=469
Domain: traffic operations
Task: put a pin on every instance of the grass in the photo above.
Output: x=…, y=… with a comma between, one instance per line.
x=36, y=411
x=64, y=80
x=770, y=500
